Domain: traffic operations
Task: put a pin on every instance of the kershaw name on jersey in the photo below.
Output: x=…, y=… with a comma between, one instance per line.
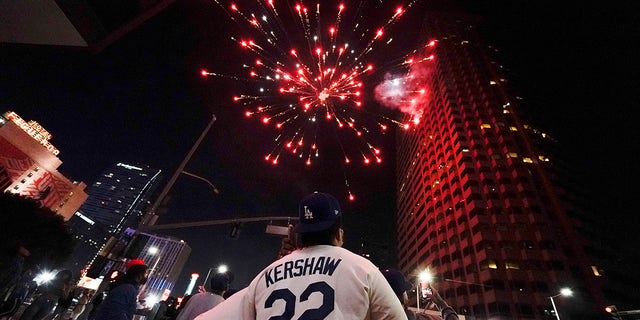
x=300, y=268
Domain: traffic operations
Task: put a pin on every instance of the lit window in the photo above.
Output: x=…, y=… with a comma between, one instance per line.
x=511, y=265
x=513, y=128
x=544, y=135
x=543, y=158
x=492, y=82
x=30, y=174
x=492, y=264
x=596, y=271
x=527, y=160
x=485, y=126
x=526, y=126
x=512, y=155
x=505, y=111
x=465, y=150
x=23, y=181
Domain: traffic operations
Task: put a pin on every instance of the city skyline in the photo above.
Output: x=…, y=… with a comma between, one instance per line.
x=166, y=90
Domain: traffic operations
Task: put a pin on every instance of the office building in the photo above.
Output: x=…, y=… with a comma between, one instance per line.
x=90, y=236
x=165, y=257
x=120, y=195
x=29, y=166
x=482, y=199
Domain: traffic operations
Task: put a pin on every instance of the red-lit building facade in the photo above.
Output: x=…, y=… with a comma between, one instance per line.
x=479, y=196
x=28, y=166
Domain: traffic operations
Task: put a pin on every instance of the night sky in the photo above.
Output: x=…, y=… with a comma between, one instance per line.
x=142, y=101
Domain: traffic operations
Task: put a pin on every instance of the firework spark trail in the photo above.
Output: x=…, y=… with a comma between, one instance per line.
x=324, y=81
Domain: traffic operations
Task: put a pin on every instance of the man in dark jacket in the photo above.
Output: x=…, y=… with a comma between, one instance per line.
x=121, y=302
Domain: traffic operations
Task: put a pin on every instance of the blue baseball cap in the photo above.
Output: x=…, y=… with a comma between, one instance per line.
x=317, y=212
x=397, y=281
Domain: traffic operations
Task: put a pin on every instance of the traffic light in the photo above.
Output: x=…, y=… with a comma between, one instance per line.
x=235, y=230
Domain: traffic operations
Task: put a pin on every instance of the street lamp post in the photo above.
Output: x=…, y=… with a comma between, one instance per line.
x=566, y=292
x=151, y=217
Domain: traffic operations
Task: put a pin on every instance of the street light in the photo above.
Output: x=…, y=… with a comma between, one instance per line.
x=151, y=217
x=44, y=277
x=565, y=292
x=426, y=277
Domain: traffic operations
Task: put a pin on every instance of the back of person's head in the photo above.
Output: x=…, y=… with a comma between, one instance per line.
x=64, y=275
x=229, y=293
x=219, y=283
x=397, y=281
x=136, y=271
x=320, y=217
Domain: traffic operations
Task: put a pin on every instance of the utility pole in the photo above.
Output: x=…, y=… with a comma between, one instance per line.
x=151, y=217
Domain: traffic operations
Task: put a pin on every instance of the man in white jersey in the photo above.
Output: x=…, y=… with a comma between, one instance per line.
x=320, y=280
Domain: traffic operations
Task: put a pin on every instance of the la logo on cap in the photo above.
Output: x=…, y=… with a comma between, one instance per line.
x=307, y=213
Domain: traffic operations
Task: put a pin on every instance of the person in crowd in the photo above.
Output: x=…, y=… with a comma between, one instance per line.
x=167, y=309
x=11, y=271
x=81, y=306
x=121, y=301
x=400, y=285
x=321, y=280
x=17, y=294
x=44, y=305
x=205, y=301
x=93, y=307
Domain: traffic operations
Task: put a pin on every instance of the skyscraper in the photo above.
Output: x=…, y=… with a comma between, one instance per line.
x=481, y=200
x=165, y=257
x=120, y=195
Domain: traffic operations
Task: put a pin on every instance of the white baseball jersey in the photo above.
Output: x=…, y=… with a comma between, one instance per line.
x=314, y=283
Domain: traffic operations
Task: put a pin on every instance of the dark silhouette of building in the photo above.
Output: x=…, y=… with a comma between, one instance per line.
x=484, y=202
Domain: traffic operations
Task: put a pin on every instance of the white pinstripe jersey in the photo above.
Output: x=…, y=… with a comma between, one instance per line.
x=318, y=282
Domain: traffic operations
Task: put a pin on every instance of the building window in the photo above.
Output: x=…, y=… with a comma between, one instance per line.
x=596, y=271
x=512, y=265
x=526, y=244
x=518, y=285
x=499, y=308
x=488, y=264
x=539, y=286
x=524, y=310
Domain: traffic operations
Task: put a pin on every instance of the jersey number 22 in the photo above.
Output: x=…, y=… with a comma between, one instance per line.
x=328, y=298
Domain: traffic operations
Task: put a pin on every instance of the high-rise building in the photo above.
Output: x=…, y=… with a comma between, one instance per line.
x=90, y=236
x=120, y=195
x=165, y=257
x=29, y=166
x=482, y=199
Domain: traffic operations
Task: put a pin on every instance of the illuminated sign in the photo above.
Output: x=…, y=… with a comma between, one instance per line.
x=35, y=130
x=85, y=218
x=89, y=283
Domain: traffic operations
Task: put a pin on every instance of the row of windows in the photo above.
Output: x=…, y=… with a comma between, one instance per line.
x=503, y=308
x=525, y=287
x=492, y=264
